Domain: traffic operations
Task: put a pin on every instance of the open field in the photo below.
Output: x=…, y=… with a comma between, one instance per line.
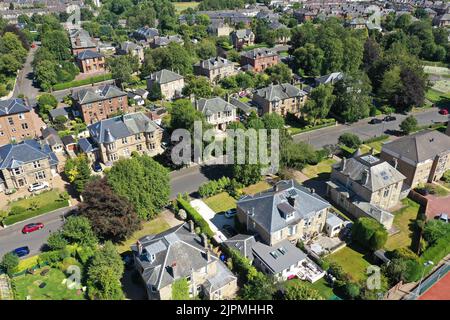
x=180, y=6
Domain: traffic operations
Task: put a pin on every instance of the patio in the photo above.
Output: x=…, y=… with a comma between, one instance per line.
x=323, y=245
x=307, y=270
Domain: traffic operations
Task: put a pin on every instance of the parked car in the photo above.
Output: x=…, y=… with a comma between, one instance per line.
x=443, y=112
x=38, y=186
x=96, y=166
x=389, y=118
x=443, y=217
x=375, y=121
x=32, y=227
x=230, y=213
x=21, y=252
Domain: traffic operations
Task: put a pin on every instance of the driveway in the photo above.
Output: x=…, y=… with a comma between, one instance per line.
x=210, y=216
x=437, y=205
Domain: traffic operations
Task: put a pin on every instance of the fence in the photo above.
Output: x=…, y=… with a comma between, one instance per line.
x=428, y=282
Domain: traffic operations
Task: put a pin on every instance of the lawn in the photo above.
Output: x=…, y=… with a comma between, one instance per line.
x=28, y=285
x=403, y=220
x=323, y=167
x=437, y=97
x=351, y=259
x=35, y=205
x=320, y=285
x=221, y=202
x=376, y=145
x=154, y=226
x=256, y=188
x=180, y=6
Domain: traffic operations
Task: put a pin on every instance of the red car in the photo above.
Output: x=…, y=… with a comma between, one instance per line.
x=32, y=227
x=443, y=112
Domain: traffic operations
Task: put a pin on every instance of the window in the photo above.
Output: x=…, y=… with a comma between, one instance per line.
x=24, y=126
x=40, y=175
x=2, y=133
x=17, y=171
x=36, y=164
x=292, y=230
x=151, y=146
x=137, y=136
x=124, y=140
x=386, y=193
x=10, y=121
x=151, y=135
x=21, y=116
x=139, y=147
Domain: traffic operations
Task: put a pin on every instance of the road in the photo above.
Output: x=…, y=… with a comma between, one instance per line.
x=364, y=130
x=12, y=237
x=24, y=84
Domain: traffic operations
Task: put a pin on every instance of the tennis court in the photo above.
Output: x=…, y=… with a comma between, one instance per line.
x=439, y=291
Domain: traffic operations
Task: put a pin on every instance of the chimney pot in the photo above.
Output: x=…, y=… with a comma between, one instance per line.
x=204, y=241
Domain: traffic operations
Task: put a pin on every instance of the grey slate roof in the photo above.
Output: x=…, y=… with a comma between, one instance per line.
x=59, y=112
x=68, y=140
x=265, y=208
x=87, y=145
x=180, y=248
x=100, y=93
x=88, y=54
x=329, y=78
x=242, y=243
x=50, y=135
x=146, y=32
x=280, y=92
x=420, y=146
x=280, y=256
x=164, y=76
x=214, y=63
x=213, y=105
x=243, y=33
x=84, y=36
x=108, y=130
x=164, y=41
x=13, y=106
x=15, y=155
x=370, y=172
x=259, y=52
x=244, y=107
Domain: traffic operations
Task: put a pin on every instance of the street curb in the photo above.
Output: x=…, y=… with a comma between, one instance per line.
x=11, y=225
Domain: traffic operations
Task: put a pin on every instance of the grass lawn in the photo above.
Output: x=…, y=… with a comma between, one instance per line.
x=403, y=220
x=27, y=263
x=320, y=168
x=180, y=6
x=28, y=285
x=376, y=145
x=221, y=202
x=351, y=259
x=257, y=187
x=438, y=190
x=154, y=226
x=437, y=97
x=35, y=205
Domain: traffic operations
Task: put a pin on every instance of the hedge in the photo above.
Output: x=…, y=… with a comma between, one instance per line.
x=78, y=83
x=375, y=139
x=30, y=214
x=437, y=251
x=193, y=215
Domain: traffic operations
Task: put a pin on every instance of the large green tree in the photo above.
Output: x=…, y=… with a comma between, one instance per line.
x=319, y=102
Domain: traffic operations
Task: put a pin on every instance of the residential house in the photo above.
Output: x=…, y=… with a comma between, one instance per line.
x=421, y=157
x=128, y=47
x=241, y=38
x=283, y=38
x=215, y=69
x=70, y=144
x=118, y=137
x=59, y=112
x=281, y=99
x=95, y=104
x=164, y=41
x=364, y=185
x=219, y=29
x=90, y=61
x=147, y=34
x=287, y=211
x=16, y=121
x=179, y=253
x=259, y=59
x=170, y=83
x=217, y=111
x=81, y=41
x=331, y=78
x=25, y=163
x=51, y=137
x=442, y=20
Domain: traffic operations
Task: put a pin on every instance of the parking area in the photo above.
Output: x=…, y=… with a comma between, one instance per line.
x=437, y=205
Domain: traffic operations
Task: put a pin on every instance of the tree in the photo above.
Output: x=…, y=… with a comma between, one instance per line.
x=260, y=287
x=409, y=125
x=412, y=90
x=104, y=274
x=297, y=155
x=319, y=102
x=121, y=68
x=46, y=102
x=11, y=44
x=10, y=263
x=78, y=172
x=112, y=217
x=350, y=140
x=46, y=76
x=9, y=64
x=199, y=87
x=57, y=42
x=369, y=233
x=279, y=73
x=308, y=60
x=206, y=49
x=333, y=52
x=180, y=289
x=371, y=54
x=183, y=115
x=353, y=54
x=299, y=291
x=56, y=241
x=143, y=182
x=78, y=230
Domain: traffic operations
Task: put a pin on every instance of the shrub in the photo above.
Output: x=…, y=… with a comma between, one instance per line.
x=350, y=140
x=369, y=233
x=10, y=263
x=193, y=215
x=446, y=176
x=180, y=289
x=51, y=258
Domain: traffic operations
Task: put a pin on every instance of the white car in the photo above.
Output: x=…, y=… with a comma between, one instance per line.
x=38, y=186
x=443, y=217
x=230, y=213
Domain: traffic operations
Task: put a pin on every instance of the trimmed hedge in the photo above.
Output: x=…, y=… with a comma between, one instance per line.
x=375, y=139
x=83, y=82
x=369, y=233
x=193, y=215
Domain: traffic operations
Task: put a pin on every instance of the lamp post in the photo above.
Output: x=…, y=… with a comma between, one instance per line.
x=426, y=264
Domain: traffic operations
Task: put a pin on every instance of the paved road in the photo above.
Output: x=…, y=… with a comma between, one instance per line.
x=12, y=237
x=24, y=84
x=364, y=130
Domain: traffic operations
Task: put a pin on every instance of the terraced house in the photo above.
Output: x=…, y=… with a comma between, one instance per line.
x=281, y=99
x=215, y=69
x=118, y=137
x=16, y=121
x=25, y=163
x=95, y=104
x=179, y=253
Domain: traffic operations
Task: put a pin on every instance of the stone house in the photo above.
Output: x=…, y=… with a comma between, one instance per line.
x=90, y=61
x=217, y=111
x=258, y=60
x=215, y=69
x=241, y=38
x=170, y=83
x=16, y=121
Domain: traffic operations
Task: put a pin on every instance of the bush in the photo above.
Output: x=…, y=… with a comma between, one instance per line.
x=51, y=258
x=369, y=233
x=195, y=216
x=446, y=176
x=10, y=263
x=350, y=140
x=15, y=210
x=214, y=187
x=375, y=139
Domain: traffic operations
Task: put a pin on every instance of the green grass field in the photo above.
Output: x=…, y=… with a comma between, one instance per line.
x=318, y=169
x=221, y=202
x=180, y=6
x=256, y=188
x=352, y=260
x=28, y=285
x=403, y=220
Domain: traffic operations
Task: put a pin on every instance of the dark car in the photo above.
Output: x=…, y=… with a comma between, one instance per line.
x=32, y=227
x=389, y=118
x=97, y=167
x=375, y=121
x=21, y=252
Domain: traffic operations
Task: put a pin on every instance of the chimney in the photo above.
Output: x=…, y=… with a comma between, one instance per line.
x=343, y=163
x=139, y=247
x=312, y=190
x=395, y=163
x=191, y=226
x=204, y=241
x=291, y=201
x=173, y=268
